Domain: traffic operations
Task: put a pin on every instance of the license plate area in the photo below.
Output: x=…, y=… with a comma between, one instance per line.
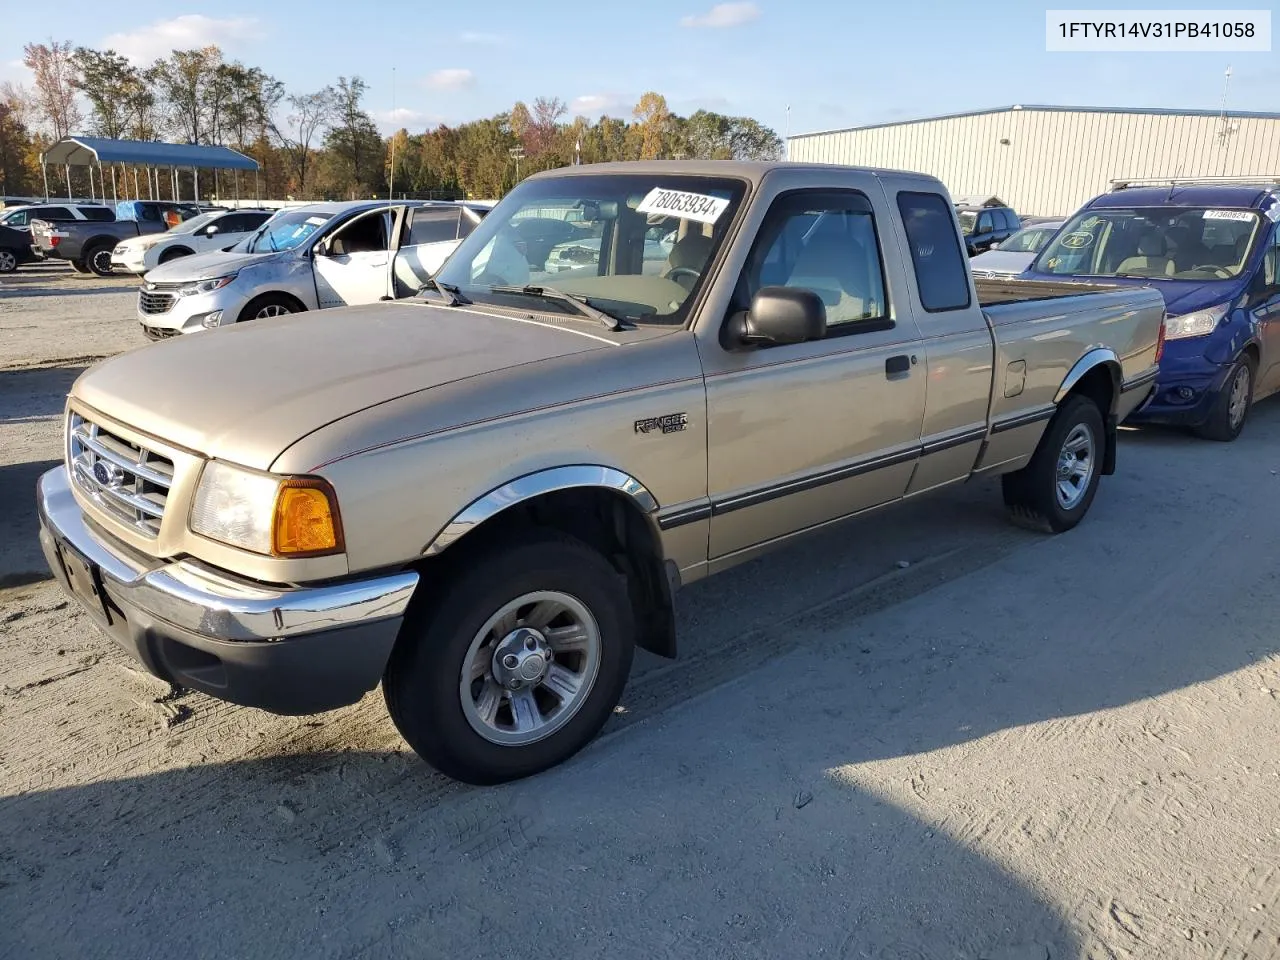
x=84, y=579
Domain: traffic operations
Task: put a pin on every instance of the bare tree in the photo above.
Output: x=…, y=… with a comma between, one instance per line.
x=547, y=112
x=54, y=69
x=308, y=114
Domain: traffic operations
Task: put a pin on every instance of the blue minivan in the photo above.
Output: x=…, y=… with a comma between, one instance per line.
x=1211, y=248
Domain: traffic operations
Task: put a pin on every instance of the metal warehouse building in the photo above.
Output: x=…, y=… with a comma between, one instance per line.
x=1047, y=161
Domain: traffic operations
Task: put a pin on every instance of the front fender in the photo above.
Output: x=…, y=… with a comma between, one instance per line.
x=537, y=484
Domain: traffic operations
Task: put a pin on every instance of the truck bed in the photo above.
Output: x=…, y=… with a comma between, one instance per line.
x=994, y=291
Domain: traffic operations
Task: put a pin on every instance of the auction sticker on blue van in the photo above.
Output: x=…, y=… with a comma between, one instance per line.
x=1228, y=215
x=701, y=207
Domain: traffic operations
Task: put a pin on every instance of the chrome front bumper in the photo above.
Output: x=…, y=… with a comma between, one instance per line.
x=284, y=649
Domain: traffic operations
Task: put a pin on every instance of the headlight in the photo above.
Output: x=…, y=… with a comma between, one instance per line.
x=1198, y=324
x=205, y=286
x=267, y=514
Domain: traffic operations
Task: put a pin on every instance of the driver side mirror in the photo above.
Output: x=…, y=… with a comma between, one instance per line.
x=781, y=315
x=210, y=230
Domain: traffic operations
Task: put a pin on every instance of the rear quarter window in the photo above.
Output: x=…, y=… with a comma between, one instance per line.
x=99, y=214
x=940, y=266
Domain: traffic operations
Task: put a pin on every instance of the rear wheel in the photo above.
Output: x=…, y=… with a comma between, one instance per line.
x=8, y=261
x=267, y=305
x=517, y=665
x=98, y=259
x=1055, y=490
x=78, y=266
x=1235, y=400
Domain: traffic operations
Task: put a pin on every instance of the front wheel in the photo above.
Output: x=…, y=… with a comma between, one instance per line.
x=1055, y=490
x=1234, y=402
x=265, y=306
x=517, y=665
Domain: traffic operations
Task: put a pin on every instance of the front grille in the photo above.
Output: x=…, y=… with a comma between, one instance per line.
x=129, y=482
x=150, y=302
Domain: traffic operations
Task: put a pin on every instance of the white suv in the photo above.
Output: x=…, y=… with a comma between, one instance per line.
x=216, y=230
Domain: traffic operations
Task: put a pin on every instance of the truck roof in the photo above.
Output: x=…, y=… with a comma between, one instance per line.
x=1254, y=196
x=751, y=170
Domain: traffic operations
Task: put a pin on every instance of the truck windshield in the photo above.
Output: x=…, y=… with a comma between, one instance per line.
x=636, y=246
x=968, y=220
x=1160, y=243
x=284, y=231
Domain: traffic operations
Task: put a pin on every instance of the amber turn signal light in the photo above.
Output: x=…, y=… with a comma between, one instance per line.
x=306, y=520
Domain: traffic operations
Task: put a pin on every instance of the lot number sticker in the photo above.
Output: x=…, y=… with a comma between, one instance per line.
x=1228, y=215
x=677, y=203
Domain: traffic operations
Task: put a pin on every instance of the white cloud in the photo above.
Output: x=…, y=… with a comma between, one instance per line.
x=453, y=78
x=389, y=121
x=187, y=32
x=488, y=39
x=723, y=15
x=594, y=104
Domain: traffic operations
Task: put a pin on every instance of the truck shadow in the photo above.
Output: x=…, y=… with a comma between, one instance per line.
x=662, y=850
x=21, y=560
x=35, y=393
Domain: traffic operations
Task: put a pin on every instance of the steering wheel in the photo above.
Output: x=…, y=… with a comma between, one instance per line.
x=674, y=272
x=1220, y=273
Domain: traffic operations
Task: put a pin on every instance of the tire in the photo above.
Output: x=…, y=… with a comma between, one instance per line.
x=267, y=305
x=8, y=261
x=98, y=259
x=78, y=266
x=445, y=722
x=1055, y=490
x=174, y=253
x=1231, y=409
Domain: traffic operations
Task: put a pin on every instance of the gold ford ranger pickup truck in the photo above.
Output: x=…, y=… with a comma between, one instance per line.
x=628, y=377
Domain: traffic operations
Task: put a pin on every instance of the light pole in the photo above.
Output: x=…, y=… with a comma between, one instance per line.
x=516, y=154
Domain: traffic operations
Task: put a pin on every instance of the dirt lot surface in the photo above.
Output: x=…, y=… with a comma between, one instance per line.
x=924, y=735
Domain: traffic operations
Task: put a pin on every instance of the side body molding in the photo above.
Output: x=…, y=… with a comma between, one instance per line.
x=1092, y=358
x=534, y=485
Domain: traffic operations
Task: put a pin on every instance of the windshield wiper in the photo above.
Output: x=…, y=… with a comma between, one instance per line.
x=579, y=302
x=456, y=297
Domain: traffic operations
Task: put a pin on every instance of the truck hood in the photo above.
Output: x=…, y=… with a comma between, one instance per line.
x=205, y=266
x=244, y=393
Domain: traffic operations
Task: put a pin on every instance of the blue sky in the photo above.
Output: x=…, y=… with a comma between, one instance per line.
x=836, y=65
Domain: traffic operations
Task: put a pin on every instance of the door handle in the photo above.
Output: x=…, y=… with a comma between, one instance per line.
x=897, y=367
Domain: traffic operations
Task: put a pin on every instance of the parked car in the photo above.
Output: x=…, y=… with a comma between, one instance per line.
x=20, y=218
x=214, y=230
x=1210, y=248
x=88, y=246
x=15, y=249
x=1010, y=257
x=484, y=496
x=306, y=258
x=983, y=227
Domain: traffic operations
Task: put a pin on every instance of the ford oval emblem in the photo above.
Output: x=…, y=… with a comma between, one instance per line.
x=108, y=474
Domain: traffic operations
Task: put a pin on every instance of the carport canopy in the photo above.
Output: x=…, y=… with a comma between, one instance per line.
x=87, y=151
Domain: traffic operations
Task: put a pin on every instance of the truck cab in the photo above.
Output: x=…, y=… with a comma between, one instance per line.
x=1210, y=247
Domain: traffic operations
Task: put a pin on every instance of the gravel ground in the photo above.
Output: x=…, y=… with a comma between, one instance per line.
x=925, y=735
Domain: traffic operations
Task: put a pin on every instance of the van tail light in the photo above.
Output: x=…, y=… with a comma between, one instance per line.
x=1160, y=339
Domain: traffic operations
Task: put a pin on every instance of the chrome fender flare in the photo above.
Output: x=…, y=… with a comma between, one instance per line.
x=534, y=485
x=1098, y=356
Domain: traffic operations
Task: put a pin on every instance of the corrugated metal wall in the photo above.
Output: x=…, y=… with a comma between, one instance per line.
x=1055, y=160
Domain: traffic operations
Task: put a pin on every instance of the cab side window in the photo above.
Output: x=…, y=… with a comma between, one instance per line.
x=942, y=273
x=825, y=242
x=984, y=223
